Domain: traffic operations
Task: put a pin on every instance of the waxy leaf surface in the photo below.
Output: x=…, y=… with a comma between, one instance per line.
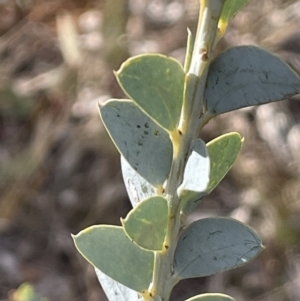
x=146, y=224
x=230, y=9
x=155, y=82
x=213, y=245
x=144, y=144
x=211, y=297
x=110, y=250
x=137, y=187
x=222, y=153
x=196, y=173
x=246, y=76
x=116, y=291
x=190, y=200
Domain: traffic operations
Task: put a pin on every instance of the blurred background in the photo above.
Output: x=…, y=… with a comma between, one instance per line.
x=60, y=173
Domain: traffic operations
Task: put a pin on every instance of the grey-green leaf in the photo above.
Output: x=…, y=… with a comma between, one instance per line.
x=110, y=250
x=190, y=200
x=211, y=297
x=146, y=224
x=246, y=76
x=213, y=245
x=137, y=187
x=116, y=291
x=222, y=153
x=155, y=82
x=230, y=9
x=196, y=173
x=144, y=144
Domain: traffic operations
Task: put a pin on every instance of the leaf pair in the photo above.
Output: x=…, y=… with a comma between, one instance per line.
x=240, y=77
x=115, y=251
x=206, y=247
x=207, y=166
x=140, y=128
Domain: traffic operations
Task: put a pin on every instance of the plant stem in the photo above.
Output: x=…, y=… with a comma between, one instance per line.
x=164, y=278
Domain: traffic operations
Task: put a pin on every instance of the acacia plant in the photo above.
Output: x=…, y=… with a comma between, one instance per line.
x=168, y=170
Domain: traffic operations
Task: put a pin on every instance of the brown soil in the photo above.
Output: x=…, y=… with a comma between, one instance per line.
x=59, y=172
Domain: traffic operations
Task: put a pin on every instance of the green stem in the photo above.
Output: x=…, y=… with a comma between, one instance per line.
x=164, y=278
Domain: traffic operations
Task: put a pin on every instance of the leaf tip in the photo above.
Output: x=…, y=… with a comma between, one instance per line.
x=117, y=73
x=100, y=105
x=222, y=26
x=239, y=136
x=75, y=237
